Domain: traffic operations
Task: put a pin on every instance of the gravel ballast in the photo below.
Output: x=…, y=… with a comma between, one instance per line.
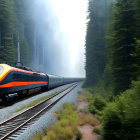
x=6, y=112
x=48, y=118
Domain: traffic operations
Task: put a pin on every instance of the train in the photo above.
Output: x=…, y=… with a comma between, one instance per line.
x=16, y=81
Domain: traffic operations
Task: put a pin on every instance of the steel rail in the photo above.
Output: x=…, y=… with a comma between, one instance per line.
x=31, y=119
x=34, y=106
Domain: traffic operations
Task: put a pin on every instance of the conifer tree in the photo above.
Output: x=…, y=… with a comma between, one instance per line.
x=25, y=55
x=95, y=45
x=123, y=41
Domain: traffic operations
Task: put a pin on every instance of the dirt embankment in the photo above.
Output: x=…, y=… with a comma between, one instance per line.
x=87, y=120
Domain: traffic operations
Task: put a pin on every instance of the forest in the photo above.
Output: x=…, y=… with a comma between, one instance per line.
x=113, y=66
x=15, y=26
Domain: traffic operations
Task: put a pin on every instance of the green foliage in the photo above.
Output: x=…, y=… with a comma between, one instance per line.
x=66, y=127
x=12, y=24
x=37, y=136
x=95, y=41
x=123, y=40
x=97, y=130
x=97, y=104
x=136, y=56
x=38, y=101
x=121, y=118
x=7, y=28
x=78, y=135
x=50, y=136
x=25, y=55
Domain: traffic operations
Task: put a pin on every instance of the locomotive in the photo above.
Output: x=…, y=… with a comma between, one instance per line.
x=16, y=81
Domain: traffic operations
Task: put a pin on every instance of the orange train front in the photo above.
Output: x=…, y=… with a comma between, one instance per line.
x=13, y=79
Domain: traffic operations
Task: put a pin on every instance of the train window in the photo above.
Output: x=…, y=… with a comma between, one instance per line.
x=17, y=76
x=24, y=77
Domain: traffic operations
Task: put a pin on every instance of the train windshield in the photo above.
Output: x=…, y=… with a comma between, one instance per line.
x=1, y=69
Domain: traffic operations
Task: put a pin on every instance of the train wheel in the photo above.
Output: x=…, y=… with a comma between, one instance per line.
x=1, y=101
x=44, y=88
x=23, y=93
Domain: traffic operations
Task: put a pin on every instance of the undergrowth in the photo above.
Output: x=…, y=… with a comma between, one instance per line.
x=119, y=115
x=66, y=126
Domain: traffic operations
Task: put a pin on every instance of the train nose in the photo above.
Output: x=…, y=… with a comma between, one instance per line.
x=1, y=69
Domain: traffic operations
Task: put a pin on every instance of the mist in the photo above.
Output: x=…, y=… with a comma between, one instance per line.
x=59, y=36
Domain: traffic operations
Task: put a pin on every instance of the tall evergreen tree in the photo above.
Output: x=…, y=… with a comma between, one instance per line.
x=25, y=55
x=95, y=45
x=7, y=29
x=123, y=41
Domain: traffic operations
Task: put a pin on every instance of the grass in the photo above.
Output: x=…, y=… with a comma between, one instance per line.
x=97, y=130
x=37, y=101
x=69, y=118
x=88, y=119
x=66, y=126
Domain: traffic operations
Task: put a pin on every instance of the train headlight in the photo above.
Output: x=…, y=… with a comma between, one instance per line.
x=1, y=69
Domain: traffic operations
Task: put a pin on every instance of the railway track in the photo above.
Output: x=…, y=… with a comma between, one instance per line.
x=13, y=127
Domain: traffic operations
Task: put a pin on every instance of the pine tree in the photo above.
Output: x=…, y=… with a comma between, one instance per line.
x=25, y=52
x=95, y=43
x=123, y=41
x=7, y=29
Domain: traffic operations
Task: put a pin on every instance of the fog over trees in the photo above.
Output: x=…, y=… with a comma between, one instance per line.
x=44, y=46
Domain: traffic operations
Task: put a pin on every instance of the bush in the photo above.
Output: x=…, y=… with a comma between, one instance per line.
x=78, y=135
x=51, y=135
x=97, y=104
x=90, y=120
x=111, y=123
x=64, y=122
x=67, y=133
x=121, y=119
x=97, y=130
x=37, y=136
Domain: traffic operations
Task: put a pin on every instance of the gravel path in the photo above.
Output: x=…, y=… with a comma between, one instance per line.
x=6, y=112
x=47, y=119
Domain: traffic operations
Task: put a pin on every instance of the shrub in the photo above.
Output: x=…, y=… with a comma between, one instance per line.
x=121, y=119
x=78, y=135
x=51, y=135
x=90, y=120
x=46, y=138
x=37, y=136
x=65, y=128
x=112, y=123
x=92, y=108
x=64, y=122
x=99, y=102
x=67, y=133
x=97, y=130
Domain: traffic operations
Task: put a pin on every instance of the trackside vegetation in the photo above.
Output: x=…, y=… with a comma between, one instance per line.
x=38, y=100
x=113, y=35
x=65, y=128
x=121, y=118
